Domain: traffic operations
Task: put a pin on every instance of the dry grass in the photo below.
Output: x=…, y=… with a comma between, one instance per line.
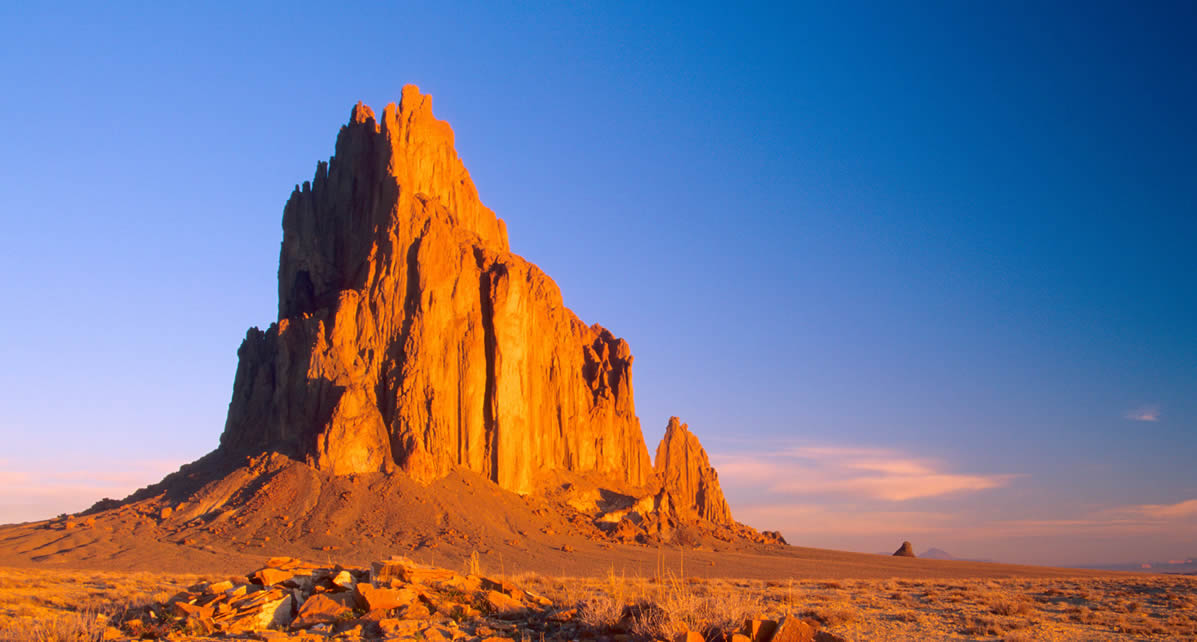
x=1115, y=608
x=74, y=605
x=50, y=605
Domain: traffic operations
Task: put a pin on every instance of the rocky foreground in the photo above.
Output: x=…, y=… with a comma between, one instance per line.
x=401, y=600
x=72, y=604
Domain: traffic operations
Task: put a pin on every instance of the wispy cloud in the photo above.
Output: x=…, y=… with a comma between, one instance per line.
x=818, y=519
x=874, y=473
x=1144, y=413
x=1179, y=510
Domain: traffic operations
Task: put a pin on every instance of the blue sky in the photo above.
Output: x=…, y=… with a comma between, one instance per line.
x=921, y=271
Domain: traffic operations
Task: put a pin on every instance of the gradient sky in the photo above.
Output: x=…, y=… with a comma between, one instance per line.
x=918, y=272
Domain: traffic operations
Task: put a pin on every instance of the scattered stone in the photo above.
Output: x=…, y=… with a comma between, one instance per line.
x=398, y=628
x=503, y=604
x=344, y=579
x=373, y=598
x=760, y=630
x=218, y=587
x=257, y=611
x=794, y=630
x=323, y=608
x=270, y=576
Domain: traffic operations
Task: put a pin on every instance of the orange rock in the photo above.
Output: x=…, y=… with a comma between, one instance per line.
x=323, y=608
x=184, y=609
x=410, y=337
x=218, y=587
x=689, y=482
x=270, y=576
x=502, y=603
x=688, y=636
x=760, y=630
x=382, y=598
x=393, y=627
x=794, y=630
x=256, y=611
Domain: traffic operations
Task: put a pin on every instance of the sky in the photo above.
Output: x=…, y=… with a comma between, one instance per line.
x=917, y=271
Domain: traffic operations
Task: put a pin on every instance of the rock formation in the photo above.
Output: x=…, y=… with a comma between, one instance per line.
x=410, y=338
x=905, y=550
x=418, y=377
x=688, y=482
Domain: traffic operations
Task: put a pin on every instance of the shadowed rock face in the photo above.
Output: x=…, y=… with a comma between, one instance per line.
x=689, y=483
x=905, y=550
x=410, y=338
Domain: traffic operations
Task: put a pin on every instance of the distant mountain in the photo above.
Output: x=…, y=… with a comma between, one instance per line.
x=940, y=554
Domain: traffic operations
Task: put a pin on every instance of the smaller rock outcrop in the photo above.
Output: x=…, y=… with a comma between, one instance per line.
x=689, y=484
x=683, y=504
x=905, y=550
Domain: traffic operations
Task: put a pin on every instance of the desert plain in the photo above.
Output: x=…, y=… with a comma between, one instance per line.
x=426, y=444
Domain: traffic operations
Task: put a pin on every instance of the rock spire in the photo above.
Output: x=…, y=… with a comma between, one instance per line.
x=689, y=483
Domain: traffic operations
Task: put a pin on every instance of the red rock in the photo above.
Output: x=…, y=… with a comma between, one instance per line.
x=270, y=576
x=410, y=337
x=760, y=630
x=218, y=587
x=688, y=636
x=184, y=609
x=393, y=627
x=502, y=603
x=381, y=598
x=323, y=608
x=255, y=611
x=688, y=480
x=905, y=550
x=794, y=630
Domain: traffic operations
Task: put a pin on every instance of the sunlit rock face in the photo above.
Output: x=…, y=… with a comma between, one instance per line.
x=690, y=485
x=410, y=338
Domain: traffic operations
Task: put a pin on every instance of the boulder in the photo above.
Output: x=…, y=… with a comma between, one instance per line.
x=323, y=608
x=794, y=630
x=270, y=576
x=760, y=630
x=373, y=598
x=503, y=604
x=272, y=608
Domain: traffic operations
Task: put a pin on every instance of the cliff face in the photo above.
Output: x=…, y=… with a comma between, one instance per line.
x=410, y=338
x=690, y=485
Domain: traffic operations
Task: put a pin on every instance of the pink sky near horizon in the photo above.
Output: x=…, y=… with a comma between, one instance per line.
x=846, y=498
